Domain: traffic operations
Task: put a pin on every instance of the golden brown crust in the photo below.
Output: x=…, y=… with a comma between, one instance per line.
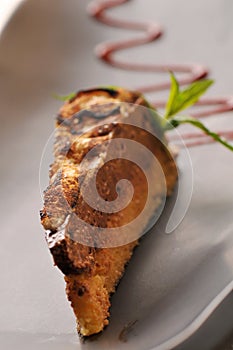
x=92, y=273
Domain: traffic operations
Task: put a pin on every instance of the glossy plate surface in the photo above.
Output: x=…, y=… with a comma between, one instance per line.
x=173, y=282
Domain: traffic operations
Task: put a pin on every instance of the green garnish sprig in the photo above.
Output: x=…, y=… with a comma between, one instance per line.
x=181, y=99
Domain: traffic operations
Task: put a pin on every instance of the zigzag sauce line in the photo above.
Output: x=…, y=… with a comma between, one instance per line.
x=153, y=31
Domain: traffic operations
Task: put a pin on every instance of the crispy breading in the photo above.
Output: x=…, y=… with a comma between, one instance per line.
x=92, y=267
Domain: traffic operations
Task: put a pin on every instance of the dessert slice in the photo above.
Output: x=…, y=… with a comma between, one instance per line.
x=91, y=243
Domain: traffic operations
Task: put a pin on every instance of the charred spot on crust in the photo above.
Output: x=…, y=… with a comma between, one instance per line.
x=112, y=92
x=95, y=112
x=81, y=291
x=98, y=111
x=61, y=120
x=42, y=214
x=62, y=260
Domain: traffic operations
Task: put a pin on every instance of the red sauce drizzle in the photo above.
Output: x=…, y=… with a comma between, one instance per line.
x=153, y=31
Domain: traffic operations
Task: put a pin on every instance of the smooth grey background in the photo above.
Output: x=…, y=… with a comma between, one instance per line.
x=48, y=47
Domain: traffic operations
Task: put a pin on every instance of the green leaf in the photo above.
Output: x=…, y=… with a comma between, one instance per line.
x=179, y=100
x=174, y=93
x=64, y=97
x=178, y=120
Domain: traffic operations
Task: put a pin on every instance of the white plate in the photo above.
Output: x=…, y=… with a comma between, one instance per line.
x=173, y=282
